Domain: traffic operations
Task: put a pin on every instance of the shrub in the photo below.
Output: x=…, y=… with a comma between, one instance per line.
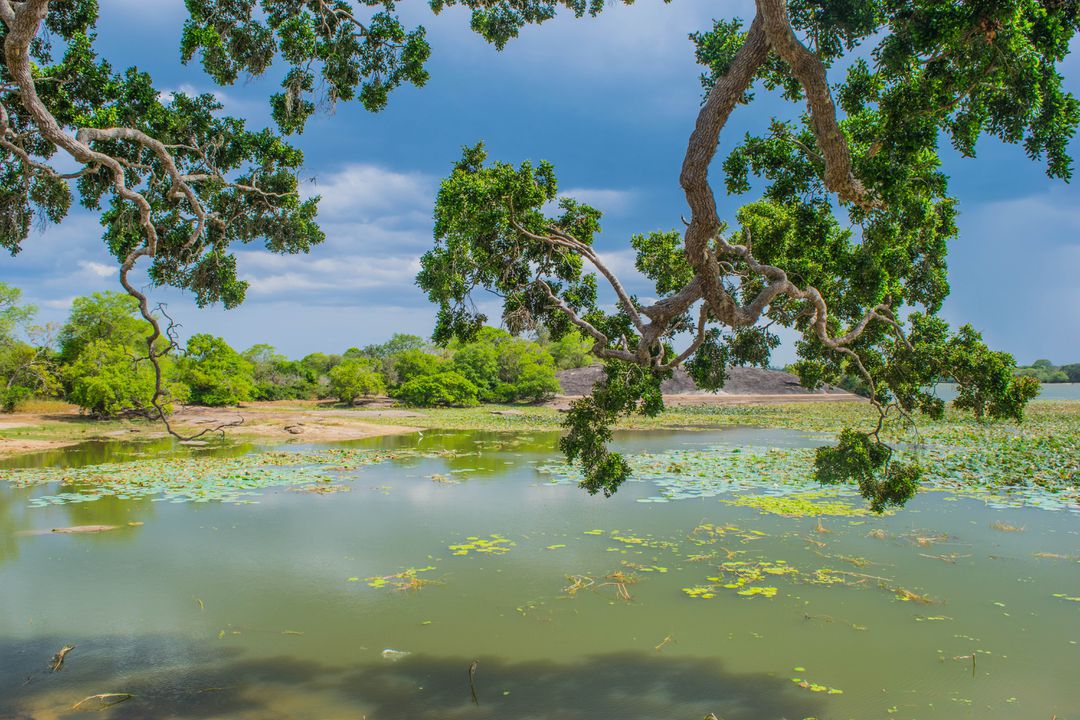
x=106, y=380
x=355, y=378
x=412, y=364
x=216, y=374
x=449, y=388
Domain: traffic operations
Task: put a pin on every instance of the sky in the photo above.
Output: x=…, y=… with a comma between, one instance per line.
x=611, y=102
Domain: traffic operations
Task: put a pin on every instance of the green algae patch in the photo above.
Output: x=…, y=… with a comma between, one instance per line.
x=493, y=544
x=408, y=579
x=808, y=504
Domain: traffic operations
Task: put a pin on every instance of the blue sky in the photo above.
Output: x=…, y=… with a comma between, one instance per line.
x=610, y=101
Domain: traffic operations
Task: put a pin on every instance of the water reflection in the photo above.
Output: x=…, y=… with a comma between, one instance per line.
x=169, y=677
x=96, y=452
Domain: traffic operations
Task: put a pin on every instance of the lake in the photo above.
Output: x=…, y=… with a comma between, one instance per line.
x=1047, y=391
x=371, y=595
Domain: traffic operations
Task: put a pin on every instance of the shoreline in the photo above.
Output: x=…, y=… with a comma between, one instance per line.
x=60, y=426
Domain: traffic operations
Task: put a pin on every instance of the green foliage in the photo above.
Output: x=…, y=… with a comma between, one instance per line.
x=355, y=378
x=277, y=377
x=13, y=315
x=1046, y=372
x=325, y=44
x=505, y=368
x=106, y=379
x=863, y=459
x=572, y=350
x=102, y=316
x=446, y=388
x=215, y=374
x=25, y=370
x=933, y=70
x=625, y=389
x=482, y=215
x=415, y=363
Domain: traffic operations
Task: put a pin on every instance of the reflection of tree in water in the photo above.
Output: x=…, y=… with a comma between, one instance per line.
x=13, y=520
x=484, y=452
x=108, y=510
x=178, y=679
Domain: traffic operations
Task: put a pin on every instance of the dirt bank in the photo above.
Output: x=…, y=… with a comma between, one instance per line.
x=301, y=421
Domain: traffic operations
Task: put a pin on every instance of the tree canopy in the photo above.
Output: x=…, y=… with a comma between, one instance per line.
x=845, y=243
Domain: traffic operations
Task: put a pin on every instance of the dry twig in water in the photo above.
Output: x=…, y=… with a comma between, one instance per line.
x=57, y=662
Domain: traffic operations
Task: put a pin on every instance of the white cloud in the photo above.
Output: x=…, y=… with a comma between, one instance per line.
x=362, y=192
x=273, y=275
x=97, y=269
x=607, y=200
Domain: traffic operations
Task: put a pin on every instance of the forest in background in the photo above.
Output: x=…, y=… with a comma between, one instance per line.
x=96, y=360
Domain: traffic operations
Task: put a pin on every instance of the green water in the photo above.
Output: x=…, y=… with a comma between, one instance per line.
x=215, y=610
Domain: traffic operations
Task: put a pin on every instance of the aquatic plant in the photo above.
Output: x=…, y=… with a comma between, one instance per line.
x=494, y=544
x=201, y=479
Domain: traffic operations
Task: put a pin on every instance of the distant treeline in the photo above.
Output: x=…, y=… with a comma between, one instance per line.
x=97, y=360
x=1045, y=371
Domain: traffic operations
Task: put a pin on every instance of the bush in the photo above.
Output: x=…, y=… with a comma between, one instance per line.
x=412, y=364
x=105, y=380
x=355, y=378
x=447, y=388
x=507, y=369
x=216, y=374
x=25, y=371
x=277, y=377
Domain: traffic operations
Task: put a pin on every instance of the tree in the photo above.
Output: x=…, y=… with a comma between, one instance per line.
x=101, y=316
x=447, y=388
x=175, y=182
x=526, y=372
x=413, y=364
x=505, y=368
x=215, y=374
x=1072, y=371
x=572, y=350
x=355, y=378
x=26, y=369
x=277, y=377
x=107, y=380
x=846, y=245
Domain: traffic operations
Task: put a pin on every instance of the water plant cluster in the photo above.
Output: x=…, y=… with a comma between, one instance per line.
x=201, y=479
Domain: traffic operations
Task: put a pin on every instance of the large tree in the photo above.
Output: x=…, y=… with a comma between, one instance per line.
x=846, y=244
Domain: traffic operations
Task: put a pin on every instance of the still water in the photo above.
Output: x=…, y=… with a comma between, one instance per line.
x=267, y=610
x=1047, y=391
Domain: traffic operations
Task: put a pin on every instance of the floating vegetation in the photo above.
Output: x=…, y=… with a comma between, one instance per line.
x=804, y=504
x=643, y=541
x=620, y=581
x=578, y=583
x=494, y=544
x=200, y=479
x=743, y=577
x=1063, y=596
x=323, y=489
x=993, y=463
x=710, y=534
x=408, y=579
x=813, y=686
x=1003, y=526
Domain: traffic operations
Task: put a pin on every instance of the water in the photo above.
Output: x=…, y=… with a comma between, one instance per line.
x=1047, y=391
x=213, y=610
